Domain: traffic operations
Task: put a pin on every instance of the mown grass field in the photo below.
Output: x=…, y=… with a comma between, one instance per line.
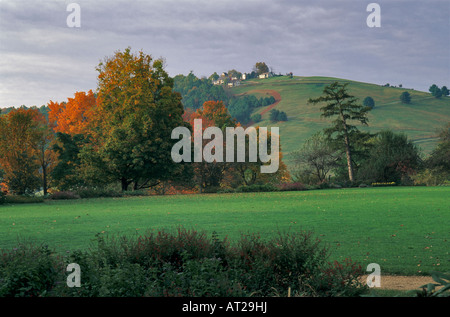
x=404, y=229
x=420, y=120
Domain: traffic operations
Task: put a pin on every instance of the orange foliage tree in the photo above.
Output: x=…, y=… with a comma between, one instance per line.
x=72, y=117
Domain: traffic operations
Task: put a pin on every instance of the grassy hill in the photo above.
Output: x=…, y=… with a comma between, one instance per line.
x=419, y=120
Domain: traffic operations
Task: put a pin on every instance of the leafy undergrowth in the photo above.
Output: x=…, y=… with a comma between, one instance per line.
x=183, y=263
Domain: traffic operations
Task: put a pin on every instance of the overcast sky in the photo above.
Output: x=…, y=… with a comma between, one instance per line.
x=43, y=59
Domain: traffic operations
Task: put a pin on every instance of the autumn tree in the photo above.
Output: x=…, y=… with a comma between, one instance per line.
x=132, y=122
x=72, y=117
x=213, y=114
x=345, y=109
x=18, y=142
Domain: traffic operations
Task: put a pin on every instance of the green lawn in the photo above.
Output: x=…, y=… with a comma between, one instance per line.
x=404, y=229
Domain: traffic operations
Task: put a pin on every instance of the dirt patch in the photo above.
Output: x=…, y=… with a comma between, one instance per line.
x=402, y=283
x=268, y=92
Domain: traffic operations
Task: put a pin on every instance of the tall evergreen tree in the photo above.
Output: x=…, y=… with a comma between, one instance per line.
x=342, y=106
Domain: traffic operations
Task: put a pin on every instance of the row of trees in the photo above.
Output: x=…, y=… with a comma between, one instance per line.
x=242, y=107
x=439, y=92
x=119, y=135
x=351, y=155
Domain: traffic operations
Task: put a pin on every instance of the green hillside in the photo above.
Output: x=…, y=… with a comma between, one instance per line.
x=420, y=120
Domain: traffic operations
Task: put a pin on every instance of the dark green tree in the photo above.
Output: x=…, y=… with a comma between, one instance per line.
x=342, y=106
x=405, y=97
x=274, y=114
x=261, y=68
x=282, y=116
x=393, y=158
x=65, y=174
x=256, y=117
x=369, y=102
x=435, y=91
x=440, y=157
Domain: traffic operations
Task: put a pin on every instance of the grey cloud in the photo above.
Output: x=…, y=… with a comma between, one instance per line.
x=307, y=37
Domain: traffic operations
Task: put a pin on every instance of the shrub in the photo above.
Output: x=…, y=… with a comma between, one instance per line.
x=211, y=189
x=94, y=192
x=183, y=263
x=140, y=192
x=431, y=177
x=256, y=188
x=2, y=197
x=441, y=289
x=29, y=270
x=64, y=195
x=381, y=184
x=272, y=267
x=337, y=280
x=226, y=191
x=291, y=186
x=23, y=199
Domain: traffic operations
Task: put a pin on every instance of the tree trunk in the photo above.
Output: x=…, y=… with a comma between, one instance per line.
x=349, y=159
x=44, y=179
x=347, y=150
x=125, y=184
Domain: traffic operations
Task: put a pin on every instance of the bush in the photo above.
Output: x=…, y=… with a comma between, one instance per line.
x=28, y=271
x=64, y=195
x=141, y=192
x=256, y=188
x=211, y=190
x=184, y=263
x=226, y=191
x=338, y=279
x=291, y=186
x=23, y=199
x=383, y=184
x=95, y=192
x=431, y=177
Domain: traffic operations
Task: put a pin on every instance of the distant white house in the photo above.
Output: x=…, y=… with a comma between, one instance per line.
x=244, y=76
x=219, y=81
x=265, y=75
x=234, y=83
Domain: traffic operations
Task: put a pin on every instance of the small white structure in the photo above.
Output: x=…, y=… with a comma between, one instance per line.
x=234, y=83
x=265, y=75
x=219, y=81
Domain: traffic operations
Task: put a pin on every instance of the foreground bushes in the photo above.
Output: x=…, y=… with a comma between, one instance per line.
x=183, y=263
